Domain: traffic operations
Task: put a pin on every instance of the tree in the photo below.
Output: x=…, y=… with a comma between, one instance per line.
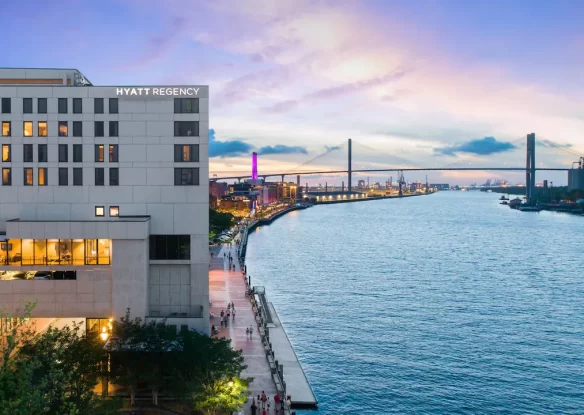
x=222, y=396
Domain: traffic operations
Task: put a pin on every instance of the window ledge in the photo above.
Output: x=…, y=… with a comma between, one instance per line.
x=170, y=262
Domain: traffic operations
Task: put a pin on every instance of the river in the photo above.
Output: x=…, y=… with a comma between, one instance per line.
x=441, y=304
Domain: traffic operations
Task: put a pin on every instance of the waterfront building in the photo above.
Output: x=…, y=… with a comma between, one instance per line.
x=104, y=199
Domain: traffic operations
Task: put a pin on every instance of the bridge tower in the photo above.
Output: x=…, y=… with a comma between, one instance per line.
x=530, y=169
x=349, y=168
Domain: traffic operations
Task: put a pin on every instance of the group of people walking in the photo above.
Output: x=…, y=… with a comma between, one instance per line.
x=225, y=315
x=264, y=404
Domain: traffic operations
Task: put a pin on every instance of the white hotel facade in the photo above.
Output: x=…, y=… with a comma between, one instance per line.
x=104, y=199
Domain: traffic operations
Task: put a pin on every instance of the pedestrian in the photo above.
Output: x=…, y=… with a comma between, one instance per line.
x=233, y=312
x=250, y=332
x=268, y=402
x=253, y=407
x=247, y=332
x=232, y=305
x=224, y=254
x=228, y=306
x=264, y=399
x=289, y=401
x=264, y=412
x=282, y=405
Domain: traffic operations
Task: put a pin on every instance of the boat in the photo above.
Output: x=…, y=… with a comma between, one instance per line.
x=503, y=198
x=504, y=202
x=515, y=203
x=529, y=209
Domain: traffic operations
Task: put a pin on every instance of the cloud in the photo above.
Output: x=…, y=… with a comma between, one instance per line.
x=281, y=149
x=232, y=148
x=482, y=147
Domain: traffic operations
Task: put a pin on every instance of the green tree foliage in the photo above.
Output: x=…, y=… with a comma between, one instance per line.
x=219, y=221
x=220, y=397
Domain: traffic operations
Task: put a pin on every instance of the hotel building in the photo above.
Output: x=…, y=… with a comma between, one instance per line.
x=104, y=199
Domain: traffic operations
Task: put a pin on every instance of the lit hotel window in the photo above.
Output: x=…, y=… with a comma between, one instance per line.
x=27, y=129
x=5, y=152
x=114, y=211
x=42, y=129
x=42, y=176
x=99, y=211
x=99, y=153
x=7, y=176
x=63, y=128
x=28, y=176
x=6, y=129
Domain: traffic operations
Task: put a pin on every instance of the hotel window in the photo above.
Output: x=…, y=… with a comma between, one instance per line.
x=98, y=105
x=42, y=151
x=42, y=105
x=63, y=176
x=42, y=179
x=165, y=247
x=27, y=129
x=114, y=176
x=186, y=153
x=99, y=176
x=113, y=153
x=113, y=105
x=77, y=106
x=99, y=211
x=63, y=128
x=6, y=106
x=63, y=153
x=7, y=176
x=77, y=176
x=27, y=152
x=77, y=129
x=77, y=153
x=42, y=129
x=186, y=128
x=28, y=176
x=6, y=152
x=99, y=157
x=98, y=129
x=27, y=105
x=113, y=128
x=186, y=176
x=6, y=130
x=114, y=211
x=63, y=106
x=186, y=105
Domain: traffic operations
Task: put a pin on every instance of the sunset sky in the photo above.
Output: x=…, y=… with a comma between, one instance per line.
x=417, y=82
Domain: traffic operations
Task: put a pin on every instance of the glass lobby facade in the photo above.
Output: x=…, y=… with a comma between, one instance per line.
x=55, y=252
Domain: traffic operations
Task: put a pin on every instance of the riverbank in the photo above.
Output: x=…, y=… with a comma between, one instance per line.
x=348, y=200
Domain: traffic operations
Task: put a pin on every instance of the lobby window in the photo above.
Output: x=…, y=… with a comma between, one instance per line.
x=98, y=105
x=42, y=105
x=42, y=129
x=63, y=128
x=114, y=176
x=27, y=129
x=63, y=106
x=77, y=129
x=99, y=176
x=77, y=153
x=114, y=211
x=186, y=153
x=27, y=153
x=6, y=130
x=6, y=106
x=186, y=128
x=99, y=211
x=28, y=176
x=186, y=105
x=43, y=178
x=165, y=247
x=113, y=128
x=99, y=156
x=98, y=129
x=77, y=106
x=63, y=176
x=63, y=153
x=97, y=251
x=186, y=176
x=113, y=105
x=113, y=153
x=27, y=105
x=7, y=176
x=43, y=154
x=6, y=153
x=77, y=176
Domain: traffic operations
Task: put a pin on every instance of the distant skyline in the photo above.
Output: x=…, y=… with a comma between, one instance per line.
x=434, y=82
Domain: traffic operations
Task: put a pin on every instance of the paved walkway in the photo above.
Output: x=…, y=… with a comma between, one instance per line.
x=229, y=286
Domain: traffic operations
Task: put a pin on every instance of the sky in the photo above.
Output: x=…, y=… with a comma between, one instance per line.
x=414, y=83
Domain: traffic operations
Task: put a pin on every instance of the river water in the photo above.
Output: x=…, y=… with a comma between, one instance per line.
x=441, y=304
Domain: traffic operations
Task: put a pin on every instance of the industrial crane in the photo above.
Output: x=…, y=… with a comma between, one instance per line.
x=401, y=181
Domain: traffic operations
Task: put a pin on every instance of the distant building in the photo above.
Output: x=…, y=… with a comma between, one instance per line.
x=361, y=184
x=441, y=186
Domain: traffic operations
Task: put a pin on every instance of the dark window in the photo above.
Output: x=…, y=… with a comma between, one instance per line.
x=114, y=176
x=186, y=128
x=98, y=129
x=186, y=105
x=98, y=105
x=113, y=105
x=186, y=176
x=164, y=247
x=77, y=153
x=27, y=105
x=113, y=153
x=77, y=129
x=42, y=105
x=28, y=180
x=77, y=105
x=77, y=176
x=63, y=176
x=43, y=177
x=99, y=180
x=6, y=152
x=63, y=106
x=42, y=150
x=6, y=106
x=113, y=128
x=186, y=152
x=99, y=157
x=7, y=176
x=27, y=152
x=63, y=153
x=63, y=128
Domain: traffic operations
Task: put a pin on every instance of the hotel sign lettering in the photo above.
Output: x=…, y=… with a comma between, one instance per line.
x=158, y=91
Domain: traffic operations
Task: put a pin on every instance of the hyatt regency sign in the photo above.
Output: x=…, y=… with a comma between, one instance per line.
x=159, y=91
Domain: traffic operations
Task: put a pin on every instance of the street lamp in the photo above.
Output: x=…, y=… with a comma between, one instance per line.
x=104, y=334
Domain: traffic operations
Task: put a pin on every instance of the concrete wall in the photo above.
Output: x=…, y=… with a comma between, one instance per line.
x=169, y=289
x=130, y=282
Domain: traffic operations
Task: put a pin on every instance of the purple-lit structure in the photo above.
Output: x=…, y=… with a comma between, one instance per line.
x=254, y=166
